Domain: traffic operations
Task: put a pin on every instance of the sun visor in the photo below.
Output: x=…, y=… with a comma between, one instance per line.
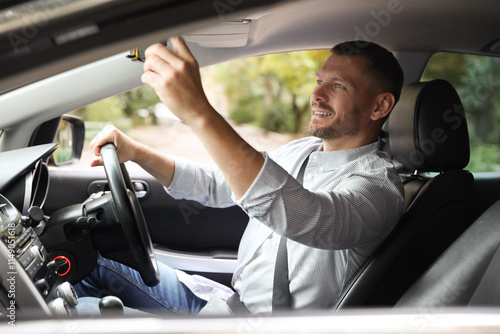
x=225, y=34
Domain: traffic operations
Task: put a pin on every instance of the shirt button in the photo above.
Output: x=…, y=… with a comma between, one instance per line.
x=309, y=176
x=322, y=169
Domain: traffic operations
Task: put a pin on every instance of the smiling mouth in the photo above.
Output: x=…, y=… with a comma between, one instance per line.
x=323, y=113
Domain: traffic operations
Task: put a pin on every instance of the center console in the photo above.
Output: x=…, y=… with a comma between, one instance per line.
x=30, y=279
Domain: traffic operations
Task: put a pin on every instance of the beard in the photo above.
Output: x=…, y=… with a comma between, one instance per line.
x=322, y=132
x=346, y=128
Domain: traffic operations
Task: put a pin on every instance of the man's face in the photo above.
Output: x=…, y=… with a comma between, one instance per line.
x=342, y=101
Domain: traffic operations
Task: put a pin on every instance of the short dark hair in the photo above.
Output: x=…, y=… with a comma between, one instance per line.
x=382, y=67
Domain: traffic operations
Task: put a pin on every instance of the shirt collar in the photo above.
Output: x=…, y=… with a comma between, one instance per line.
x=333, y=159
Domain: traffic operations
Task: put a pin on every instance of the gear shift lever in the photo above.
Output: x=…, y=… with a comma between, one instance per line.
x=111, y=306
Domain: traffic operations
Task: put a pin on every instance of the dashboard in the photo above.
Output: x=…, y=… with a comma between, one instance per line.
x=30, y=280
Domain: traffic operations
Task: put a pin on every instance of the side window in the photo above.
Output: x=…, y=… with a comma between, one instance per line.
x=265, y=98
x=477, y=81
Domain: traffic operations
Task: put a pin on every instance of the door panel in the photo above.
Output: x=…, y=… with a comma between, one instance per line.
x=187, y=235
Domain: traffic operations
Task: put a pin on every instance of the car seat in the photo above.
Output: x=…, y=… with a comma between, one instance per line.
x=428, y=140
x=467, y=273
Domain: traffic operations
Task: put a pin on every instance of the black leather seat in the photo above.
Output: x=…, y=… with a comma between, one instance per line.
x=427, y=132
x=467, y=273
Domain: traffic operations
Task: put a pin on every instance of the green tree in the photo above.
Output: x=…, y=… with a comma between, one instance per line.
x=479, y=92
x=480, y=96
x=141, y=98
x=125, y=105
x=448, y=66
x=477, y=82
x=271, y=91
x=120, y=110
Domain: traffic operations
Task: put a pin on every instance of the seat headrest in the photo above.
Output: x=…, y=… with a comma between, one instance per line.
x=427, y=129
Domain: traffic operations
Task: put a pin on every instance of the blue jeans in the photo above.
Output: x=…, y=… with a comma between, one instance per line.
x=170, y=296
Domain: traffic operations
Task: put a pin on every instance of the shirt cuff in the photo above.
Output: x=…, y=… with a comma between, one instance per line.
x=271, y=178
x=183, y=180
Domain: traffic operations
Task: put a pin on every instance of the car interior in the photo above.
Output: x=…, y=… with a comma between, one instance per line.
x=57, y=56
x=437, y=208
x=466, y=270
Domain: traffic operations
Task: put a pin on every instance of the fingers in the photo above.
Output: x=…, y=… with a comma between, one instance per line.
x=181, y=49
x=156, y=59
x=160, y=59
x=107, y=135
x=96, y=162
x=175, y=77
x=180, y=54
x=156, y=66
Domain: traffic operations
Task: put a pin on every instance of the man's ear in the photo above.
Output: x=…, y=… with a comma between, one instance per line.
x=385, y=103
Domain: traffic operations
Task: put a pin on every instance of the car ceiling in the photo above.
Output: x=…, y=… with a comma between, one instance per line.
x=423, y=26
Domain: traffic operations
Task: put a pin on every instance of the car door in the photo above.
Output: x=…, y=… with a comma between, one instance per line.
x=186, y=235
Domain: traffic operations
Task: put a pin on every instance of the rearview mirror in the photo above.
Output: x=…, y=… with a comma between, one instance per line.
x=70, y=136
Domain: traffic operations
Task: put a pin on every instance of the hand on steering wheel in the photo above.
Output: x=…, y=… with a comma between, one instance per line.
x=129, y=214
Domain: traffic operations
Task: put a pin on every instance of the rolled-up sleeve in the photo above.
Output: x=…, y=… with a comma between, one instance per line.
x=202, y=183
x=357, y=209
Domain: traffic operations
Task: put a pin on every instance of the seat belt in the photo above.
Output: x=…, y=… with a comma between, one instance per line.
x=236, y=305
x=281, y=283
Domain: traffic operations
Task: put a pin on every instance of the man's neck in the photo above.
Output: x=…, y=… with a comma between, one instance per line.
x=341, y=144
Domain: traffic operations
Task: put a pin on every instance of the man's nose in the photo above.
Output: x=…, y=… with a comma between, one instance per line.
x=319, y=94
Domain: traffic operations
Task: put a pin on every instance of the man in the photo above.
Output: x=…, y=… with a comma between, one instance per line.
x=350, y=199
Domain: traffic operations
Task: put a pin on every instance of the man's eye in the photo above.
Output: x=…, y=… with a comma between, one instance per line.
x=319, y=82
x=337, y=85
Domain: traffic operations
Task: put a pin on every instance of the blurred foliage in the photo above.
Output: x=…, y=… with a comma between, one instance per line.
x=120, y=110
x=477, y=81
x=484, y=158
x=139, y=99
x=270, y=91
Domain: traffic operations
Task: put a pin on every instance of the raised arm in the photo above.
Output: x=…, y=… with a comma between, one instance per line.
x=176, y=79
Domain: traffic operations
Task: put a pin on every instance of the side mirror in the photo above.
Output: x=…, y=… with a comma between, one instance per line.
x=70, y=136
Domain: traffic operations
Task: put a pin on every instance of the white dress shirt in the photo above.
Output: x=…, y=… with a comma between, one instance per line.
x=349, y=201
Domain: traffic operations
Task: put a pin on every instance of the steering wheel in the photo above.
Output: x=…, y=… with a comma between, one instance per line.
x=130, y=216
